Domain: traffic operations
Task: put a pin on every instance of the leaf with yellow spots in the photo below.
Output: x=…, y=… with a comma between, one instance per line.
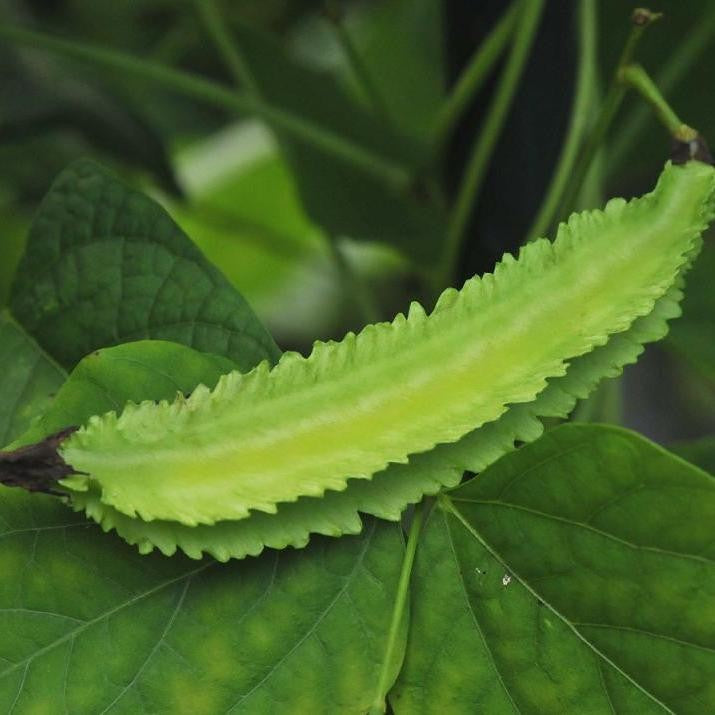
x=89, y=626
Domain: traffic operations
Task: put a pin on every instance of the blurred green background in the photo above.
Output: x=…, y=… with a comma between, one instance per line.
x=294, y=230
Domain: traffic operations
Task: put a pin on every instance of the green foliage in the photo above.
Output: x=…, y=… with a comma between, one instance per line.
x=108, y=379
x=270, y=437
x=90, y=626
x=558, y=568
x=692, y=337
x=104, y=265
x=28, y=380
x=338, y=194
x=700, y=452
x=564, y=579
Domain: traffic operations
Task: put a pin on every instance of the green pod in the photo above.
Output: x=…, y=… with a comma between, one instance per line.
x=390, y=491
x=397, y=389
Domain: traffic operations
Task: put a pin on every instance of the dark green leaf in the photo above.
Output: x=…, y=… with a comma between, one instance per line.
x=37, y=98
x=12, y=239
x=343, y=198
x=699, y=451
x=291, y=631
x=574, y=575
x=89, y=626
x=28, y=380
x=395, y=59
x=105, y=264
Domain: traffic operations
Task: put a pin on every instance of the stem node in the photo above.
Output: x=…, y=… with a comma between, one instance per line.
x=642, y=16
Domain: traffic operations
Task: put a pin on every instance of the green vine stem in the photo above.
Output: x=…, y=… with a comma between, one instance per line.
x=403, y=586
x=216, y=27
x=635, y=77
x=641, y=19
x=690, y=48
x=357, y=66
x=586, y=78
x=394, y=176
x=473, y=77
x=528, y=21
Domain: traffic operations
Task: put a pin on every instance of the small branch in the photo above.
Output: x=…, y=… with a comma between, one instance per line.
x=359, y=69
x=530, y=13
x=641, y=19
x=473, y=77
x=216, y=27
x=687, y=143
x=36, y=467
x=690, y=48
x=635, y=77
x=394, y=176
x=403, y=586
x=580, y=116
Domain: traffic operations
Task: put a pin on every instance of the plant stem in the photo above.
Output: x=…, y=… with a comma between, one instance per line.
x=357, y=66
x=394, y=176
x=678, y=65
x=529, y=15
x=473, y=76
x=216, y=27
x=635, y=77
x=617, y=90
x=586, y=77
x=383, y=683
x=354, y=285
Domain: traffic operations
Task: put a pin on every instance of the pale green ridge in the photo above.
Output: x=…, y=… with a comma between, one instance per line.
x=396, y=389
x=391, y=490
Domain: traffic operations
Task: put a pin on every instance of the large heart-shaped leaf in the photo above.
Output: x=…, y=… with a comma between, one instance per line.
x=105, y=264
x=90, y=626
x=292, y=631
x=574, y=575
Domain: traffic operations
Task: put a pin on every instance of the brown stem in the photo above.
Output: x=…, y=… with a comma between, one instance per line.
x=686, y=149
x=36, y=467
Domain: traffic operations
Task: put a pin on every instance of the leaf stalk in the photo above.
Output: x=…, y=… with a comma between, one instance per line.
x=383, y=683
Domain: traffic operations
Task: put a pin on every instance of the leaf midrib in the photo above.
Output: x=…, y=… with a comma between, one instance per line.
x=448, y=504
x=367, y=541
x=587, y=527
x=477, y=625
